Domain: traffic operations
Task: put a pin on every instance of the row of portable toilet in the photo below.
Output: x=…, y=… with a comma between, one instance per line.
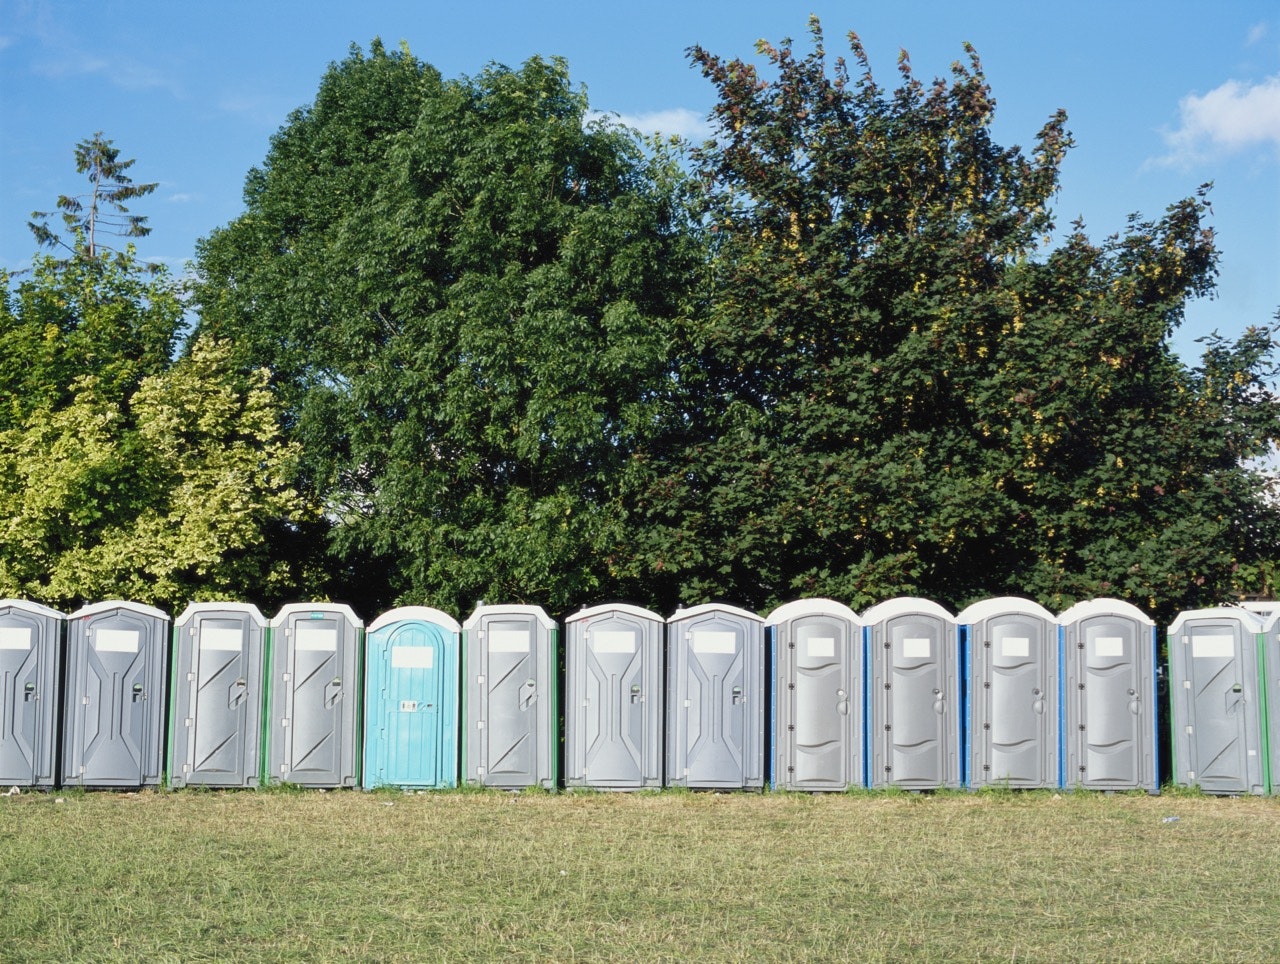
x=811, y=697
x=1224, y=698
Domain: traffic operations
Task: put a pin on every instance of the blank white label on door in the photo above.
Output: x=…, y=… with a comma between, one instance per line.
x=822, y=647
x=613, y=641
x=15, y=637
x=221, y=638
x=917, y=647
x=413, y=657
x=115, y=640
x=408, y=706
x=316, y=639
x=1213, y=647
x=1108, y=646
x=509, y=641
x=1015, y=646
x=712, y=641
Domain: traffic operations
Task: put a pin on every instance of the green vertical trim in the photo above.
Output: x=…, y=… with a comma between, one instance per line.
x=173, y=705
x=359, y=734
x=268, y=684
x=464, y=729
x=555, y=706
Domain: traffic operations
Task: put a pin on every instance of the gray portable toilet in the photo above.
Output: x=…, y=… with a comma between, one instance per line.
x=30, y=667
x=411, y=704
x=509, y=694
x=312, y=726
x=1010, y=652
x=216, y=695
x=1109, y=702
x=613, y=697
x=913, y=695
x=815, y=655
x=715, y=698
x=1217, y=713
x=114, y=696
x=1269, y=670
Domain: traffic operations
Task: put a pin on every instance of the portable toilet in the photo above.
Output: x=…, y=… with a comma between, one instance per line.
x=1010, y=662
x=715, y=698
x=114, y=696
x=913, y=695
x=613, y=697
x=30, y=668
x=216, y=693
x=411, y=699
x=510, y=715
x=1109, y=702
x=1216, y=709
x=815, y=654
x=1269, y=669
x=313, y=698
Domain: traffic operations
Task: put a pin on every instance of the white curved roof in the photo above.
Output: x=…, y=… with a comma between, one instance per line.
x=489, y=609
x=810, y=607
x=1002, y=606
x=1103, y=607
x=1253, y=622
x=419, y=614
x=340, y=609
x=706, y=608
x=101, y=607
x=606, y=608
x=35, y=608
x=227, y=607
x=904, y=606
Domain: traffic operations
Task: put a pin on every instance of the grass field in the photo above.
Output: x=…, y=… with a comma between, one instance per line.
x=304, y=875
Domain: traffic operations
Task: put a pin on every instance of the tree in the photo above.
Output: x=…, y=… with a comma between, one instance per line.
x=896, y=391
x=102, y=209
x=464, y=291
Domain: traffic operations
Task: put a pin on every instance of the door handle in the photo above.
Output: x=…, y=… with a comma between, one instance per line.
x=237, y=693
x=29, y=693
x=138, y=694
x=738, y=698
x=333, y=692
x=528, y=693
x=635, y=695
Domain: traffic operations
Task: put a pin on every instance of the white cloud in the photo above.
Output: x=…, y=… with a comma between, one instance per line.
x=182, y=198
x=1257, y=33
x=1228, y=119
x=679, y=120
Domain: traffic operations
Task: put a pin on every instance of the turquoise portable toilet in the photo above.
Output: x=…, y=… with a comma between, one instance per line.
x=1216, y=706
x=411, y=699
x=313, y=700
x=30, y=667
x=216, y=695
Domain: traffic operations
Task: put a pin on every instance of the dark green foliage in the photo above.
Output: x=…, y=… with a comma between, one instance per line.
x=895, y=391
x=464, y=291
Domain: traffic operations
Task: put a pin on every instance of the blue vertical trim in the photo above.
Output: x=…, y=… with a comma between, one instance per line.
x=771, y=662
x=1155, y=709
x=1062, y=707
x=868, y=715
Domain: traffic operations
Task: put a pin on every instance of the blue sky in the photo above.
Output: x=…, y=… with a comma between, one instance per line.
x=1161, y=97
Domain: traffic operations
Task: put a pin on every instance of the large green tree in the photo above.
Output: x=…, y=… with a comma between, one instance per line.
x=465, y=291
x=899, y=388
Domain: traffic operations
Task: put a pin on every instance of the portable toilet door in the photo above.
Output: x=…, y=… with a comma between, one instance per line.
x=1216, y=706
x=815, y=653
x=411, y=699
x=114, y=697
x=314, y=696
x=1109, y=702
x=216, y=694
x=1009, y=648
x=509, y=692
x=913, y=695
x=30, y=667
x=715, y=698
x=613, y=697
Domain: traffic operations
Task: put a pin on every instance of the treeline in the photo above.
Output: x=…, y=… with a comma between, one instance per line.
x=469, y=340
